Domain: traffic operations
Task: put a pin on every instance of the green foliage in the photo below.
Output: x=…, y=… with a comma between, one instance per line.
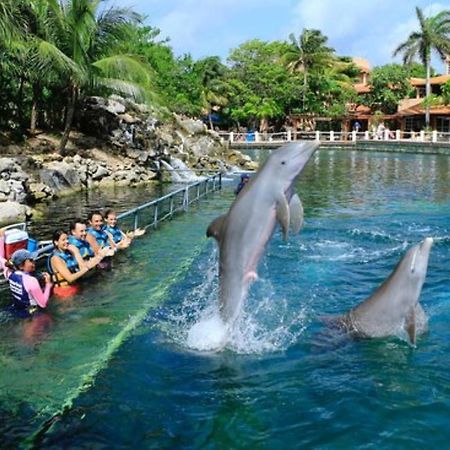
x=390, y=84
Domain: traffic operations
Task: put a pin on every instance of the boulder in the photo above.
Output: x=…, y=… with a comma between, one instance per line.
x=8, y=165
x=191, y=126
x=60, y=177
x=11, y=212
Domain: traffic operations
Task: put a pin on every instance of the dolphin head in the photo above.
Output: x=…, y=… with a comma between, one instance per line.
x=287, y=162
x=415, y=263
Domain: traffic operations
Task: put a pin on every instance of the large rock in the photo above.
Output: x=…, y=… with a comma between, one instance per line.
x=60, y=176
x=8, y=165
x=11, y=212
x=191, y=126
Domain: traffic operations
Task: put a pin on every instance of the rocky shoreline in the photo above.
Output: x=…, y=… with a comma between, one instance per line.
x=117, y=142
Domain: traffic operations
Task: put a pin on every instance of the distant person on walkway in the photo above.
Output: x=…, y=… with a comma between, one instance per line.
x=244, y=180
x=357, y=127
x=121, y=239
x=26, y=293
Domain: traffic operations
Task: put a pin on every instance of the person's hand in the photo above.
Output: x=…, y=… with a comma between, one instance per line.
x=47, y=278
x=106, y=251
x=139, y=232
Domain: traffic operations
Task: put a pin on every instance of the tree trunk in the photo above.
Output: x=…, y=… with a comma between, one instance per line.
x=20, y=104
x=305, y=81
x=69, y=119
x=428, y=92
x=34, y=108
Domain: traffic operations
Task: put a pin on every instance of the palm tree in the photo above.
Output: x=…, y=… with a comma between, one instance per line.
x=87, y=36
x=308, y=52
x=434, y=34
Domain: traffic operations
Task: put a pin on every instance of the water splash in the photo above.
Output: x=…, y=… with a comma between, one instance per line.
x=267, y=323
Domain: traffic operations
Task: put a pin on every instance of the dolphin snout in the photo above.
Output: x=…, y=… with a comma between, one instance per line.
x=427, y=243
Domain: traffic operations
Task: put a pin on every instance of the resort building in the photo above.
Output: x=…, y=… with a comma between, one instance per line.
x=410, y=115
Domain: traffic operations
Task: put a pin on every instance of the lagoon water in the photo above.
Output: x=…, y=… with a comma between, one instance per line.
x=112, y=368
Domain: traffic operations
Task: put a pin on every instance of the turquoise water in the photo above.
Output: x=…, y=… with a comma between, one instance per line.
x=117, y=359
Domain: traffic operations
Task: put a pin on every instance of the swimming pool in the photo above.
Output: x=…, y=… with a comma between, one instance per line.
x=114, y=367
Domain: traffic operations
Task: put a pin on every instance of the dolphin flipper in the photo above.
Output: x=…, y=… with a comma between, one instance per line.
x=283, y=215
x=411, y=326
x=215, y=227
x=296, y=212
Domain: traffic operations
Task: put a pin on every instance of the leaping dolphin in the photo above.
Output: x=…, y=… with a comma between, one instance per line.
x=242, y=233
x=395, y=304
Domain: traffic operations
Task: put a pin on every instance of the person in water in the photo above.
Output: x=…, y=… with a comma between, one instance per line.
x=77, y=238
x=96, y=236
x=65, y=265
x=121, y=239
x=244, y=180
x=26, y=293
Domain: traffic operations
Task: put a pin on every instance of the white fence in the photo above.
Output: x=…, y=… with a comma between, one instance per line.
x=255, y=138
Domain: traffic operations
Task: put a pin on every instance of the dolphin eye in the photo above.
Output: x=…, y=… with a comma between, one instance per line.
x=283, y=162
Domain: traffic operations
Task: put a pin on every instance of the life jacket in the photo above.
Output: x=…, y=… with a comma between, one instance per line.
x=20, y=297
x=71, y=264
x=100, y=236
x=114, y=232
x=84, y=247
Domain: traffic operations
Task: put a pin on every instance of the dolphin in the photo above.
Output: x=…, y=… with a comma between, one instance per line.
x=395, y=303
x=243, y=232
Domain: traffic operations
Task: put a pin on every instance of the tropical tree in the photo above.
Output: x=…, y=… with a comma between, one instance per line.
x=306, y=53
x=434, y=34
x=88, y=35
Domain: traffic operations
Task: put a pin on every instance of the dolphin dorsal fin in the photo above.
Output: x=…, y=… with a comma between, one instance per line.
x=296, y=213
x=411, y=326
x=215, y=227
x=283, y=215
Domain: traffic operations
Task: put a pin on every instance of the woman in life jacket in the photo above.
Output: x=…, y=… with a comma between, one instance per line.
x=121, y=239
x=26, y=293
x=65, y=265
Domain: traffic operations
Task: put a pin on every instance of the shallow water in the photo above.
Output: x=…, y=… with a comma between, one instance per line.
x=284, y=380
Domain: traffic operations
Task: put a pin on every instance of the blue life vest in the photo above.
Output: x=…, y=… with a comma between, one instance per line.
x=84, y=247
x=114, y=232
x=70, y=261
x=100, y=236
x=20, y=297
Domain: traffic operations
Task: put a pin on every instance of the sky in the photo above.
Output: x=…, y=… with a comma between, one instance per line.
x=370, y=29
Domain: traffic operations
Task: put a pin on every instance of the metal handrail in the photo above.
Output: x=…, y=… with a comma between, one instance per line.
x=182, y=195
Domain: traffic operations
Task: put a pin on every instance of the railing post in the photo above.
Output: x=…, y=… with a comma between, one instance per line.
x=422, y=136
x=354, y=136
x=434, y=136
x=386, y=135
x=257, y=137
x=171, y=207
x=397, y=135
x=186, y=198
x=366, y=135
x=317, y=135
x=220, y=180
x=231, y=137
x=331, y=135
x=136, y=220
x=289, y=135
x=155, y=216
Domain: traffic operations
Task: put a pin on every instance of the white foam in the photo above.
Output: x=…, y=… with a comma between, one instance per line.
x=209, y=334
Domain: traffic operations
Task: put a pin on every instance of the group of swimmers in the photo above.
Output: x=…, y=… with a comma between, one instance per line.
x=75, y=254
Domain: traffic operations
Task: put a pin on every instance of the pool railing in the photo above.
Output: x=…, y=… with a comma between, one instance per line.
x=151, y=214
